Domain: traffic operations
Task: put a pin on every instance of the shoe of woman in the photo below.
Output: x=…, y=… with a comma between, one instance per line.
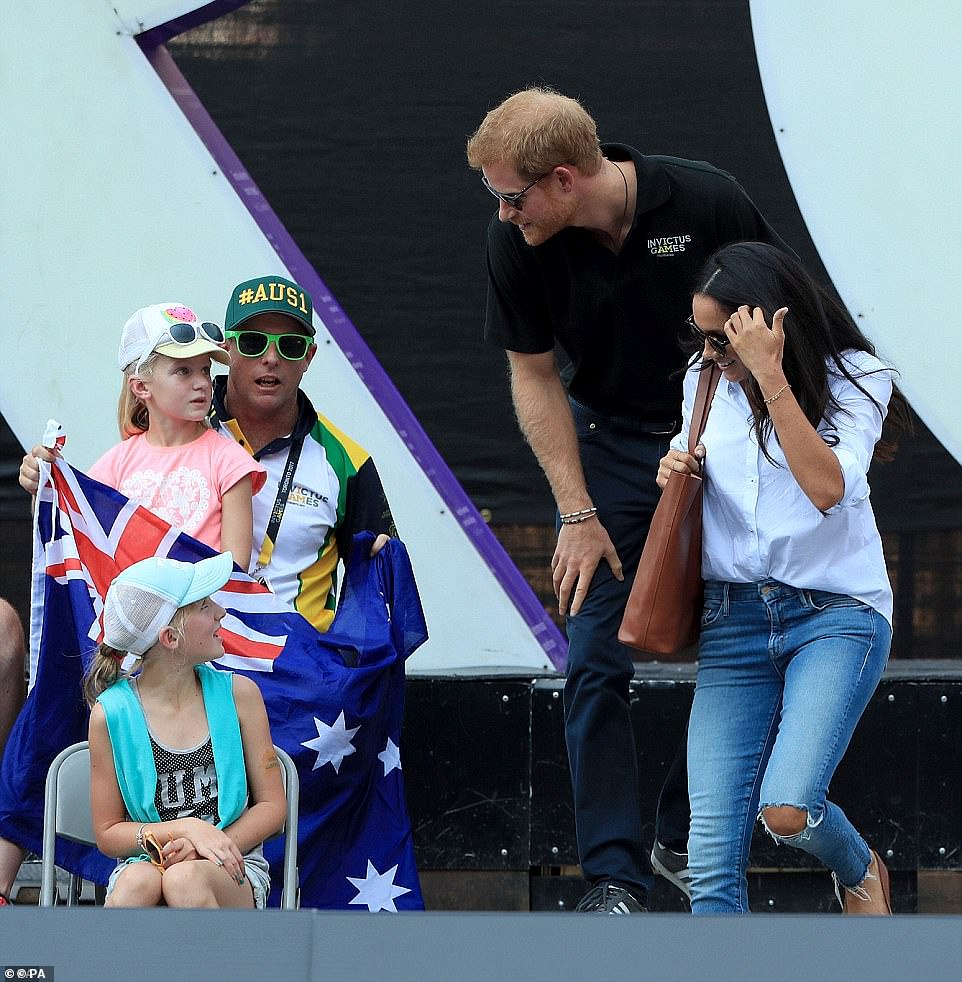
x=872, y=895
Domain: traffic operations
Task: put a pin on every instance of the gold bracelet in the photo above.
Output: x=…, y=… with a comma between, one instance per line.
x=772, y=399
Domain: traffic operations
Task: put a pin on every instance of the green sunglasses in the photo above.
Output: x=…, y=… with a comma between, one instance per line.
x=253, y=344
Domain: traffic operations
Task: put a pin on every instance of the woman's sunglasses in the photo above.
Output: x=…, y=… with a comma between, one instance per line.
x=252, y=344
x=718, y=342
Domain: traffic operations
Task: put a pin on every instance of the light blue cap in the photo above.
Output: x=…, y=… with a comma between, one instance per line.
x=144, y=597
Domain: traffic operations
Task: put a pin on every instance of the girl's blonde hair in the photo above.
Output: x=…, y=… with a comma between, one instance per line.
x=132, y=415
x=106, y=666
x=105, y=669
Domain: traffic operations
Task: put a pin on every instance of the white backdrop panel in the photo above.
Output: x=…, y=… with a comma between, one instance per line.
x=866, y=102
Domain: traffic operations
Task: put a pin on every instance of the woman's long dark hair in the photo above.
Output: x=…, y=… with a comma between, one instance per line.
x=817, y=330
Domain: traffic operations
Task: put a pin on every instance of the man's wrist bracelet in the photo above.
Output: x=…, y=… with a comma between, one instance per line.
x=590, y=510
x=577, y=517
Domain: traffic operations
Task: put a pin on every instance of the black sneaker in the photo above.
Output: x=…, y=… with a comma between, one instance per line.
x=673, y=866
x=609, y=898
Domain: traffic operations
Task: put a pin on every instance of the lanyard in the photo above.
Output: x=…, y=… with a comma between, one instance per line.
x=280, y=502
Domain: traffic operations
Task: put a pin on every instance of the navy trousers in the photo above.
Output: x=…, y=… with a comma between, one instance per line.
x=620, y=458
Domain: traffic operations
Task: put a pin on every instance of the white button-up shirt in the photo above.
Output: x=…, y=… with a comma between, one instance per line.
x=759, y=524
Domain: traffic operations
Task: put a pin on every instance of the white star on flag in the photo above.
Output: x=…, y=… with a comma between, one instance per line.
x=390, y=757
x=377, y=890
x=332, y=743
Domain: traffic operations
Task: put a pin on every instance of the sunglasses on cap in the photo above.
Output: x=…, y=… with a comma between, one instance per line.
x=182, y=333
x=253, y=344
x=515, y=199
x=718, y=342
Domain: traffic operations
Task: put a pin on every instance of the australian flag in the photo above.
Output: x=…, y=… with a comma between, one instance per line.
x=335, y=700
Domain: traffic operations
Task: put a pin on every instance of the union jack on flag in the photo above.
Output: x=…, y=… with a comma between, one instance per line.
x=335, y=701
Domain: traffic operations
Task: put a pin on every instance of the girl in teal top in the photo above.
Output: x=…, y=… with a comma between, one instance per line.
x=184, y=782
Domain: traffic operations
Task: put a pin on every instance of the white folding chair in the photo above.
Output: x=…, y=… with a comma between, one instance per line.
x=290, y=888
x=67, y=813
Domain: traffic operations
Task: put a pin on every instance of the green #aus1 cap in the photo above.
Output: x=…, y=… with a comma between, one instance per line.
x=269, y=294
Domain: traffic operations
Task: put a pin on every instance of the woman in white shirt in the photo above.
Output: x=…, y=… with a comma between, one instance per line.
x=796, y=625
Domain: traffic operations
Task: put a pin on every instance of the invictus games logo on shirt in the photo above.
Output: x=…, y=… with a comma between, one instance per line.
x=667, y=245
x=306, y=497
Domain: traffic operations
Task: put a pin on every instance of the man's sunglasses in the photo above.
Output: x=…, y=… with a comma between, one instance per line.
x=718, y=342
x=515, y=200
x=182, y=333
x=252, y=344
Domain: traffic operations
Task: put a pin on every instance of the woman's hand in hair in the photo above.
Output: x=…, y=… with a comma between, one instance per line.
x=758, y=347
x=680, y=462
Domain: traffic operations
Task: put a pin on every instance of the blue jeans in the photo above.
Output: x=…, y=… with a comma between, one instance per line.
x=620, y=458
x=784, y=676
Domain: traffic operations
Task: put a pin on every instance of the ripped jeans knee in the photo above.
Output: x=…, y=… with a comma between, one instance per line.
x=789, y=825
x=822, y=831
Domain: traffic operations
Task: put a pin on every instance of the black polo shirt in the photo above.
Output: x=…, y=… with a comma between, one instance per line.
x=619, y=317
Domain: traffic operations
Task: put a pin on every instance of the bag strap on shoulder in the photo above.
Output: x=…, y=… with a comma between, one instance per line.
x=707, y=383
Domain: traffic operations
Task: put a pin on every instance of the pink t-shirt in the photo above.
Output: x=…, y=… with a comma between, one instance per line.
x=183, y=485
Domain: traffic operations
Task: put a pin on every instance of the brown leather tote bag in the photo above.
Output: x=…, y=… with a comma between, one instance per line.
x=663, y=613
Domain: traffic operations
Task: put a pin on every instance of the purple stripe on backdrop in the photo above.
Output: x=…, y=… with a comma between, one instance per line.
x=347, y=337
x=162, y=33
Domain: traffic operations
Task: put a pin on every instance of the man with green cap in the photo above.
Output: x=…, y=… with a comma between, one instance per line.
x=322, y=487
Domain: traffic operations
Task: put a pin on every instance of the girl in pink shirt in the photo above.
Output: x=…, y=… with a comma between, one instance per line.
x=169, y=459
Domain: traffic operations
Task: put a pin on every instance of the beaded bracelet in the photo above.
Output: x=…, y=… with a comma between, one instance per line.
x=141, y=844
x=577, y=517
x=771, y=399
x=590, y=510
